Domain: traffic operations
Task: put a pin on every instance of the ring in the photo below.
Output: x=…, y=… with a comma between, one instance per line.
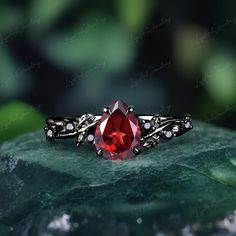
x=118, y=133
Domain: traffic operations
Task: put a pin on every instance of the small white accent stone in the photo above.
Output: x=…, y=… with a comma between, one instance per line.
x=90, y=137
x=147, y=125
x=175, y=128
x=169, y=134
x=69, y=126
x=50, y=133
x=187, y=125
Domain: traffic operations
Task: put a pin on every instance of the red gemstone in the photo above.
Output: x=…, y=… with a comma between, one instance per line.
x=118, y=133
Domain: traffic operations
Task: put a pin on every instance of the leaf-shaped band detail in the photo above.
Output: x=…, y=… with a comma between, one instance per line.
x=153, y=128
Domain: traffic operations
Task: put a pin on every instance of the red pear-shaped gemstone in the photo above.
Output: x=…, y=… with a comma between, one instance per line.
x=118, y=133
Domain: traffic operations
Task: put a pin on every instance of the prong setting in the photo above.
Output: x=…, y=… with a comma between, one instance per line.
x=106, y=110
x=130, y=109
x=136, y=150
x=99, y=152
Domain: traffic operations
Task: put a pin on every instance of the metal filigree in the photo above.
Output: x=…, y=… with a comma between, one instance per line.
x=163, y=127
x=153, y=128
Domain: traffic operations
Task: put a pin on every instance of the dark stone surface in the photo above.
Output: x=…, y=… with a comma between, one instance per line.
x=186, y=184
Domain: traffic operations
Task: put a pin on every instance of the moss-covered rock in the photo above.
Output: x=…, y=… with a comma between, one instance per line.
x=58, y=189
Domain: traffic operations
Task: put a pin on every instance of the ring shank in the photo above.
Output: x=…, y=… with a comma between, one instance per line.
x=81, y=126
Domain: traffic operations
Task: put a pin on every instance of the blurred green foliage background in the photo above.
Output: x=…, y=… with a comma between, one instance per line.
x=65, y=57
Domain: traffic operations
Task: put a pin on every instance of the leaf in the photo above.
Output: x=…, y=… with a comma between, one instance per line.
x=54, y=188
x=96, y=41
x=11, y=18
x=48, y=12
x=14, y=80
x=219, y=77
x=191, y=46
x=134, y=13
x=17, y=118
